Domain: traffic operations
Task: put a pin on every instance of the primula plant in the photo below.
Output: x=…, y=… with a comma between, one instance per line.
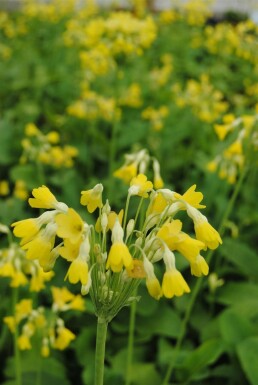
x=111, y=257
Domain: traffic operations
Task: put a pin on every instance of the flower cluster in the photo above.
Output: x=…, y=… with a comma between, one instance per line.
x=93, y=106
x=45, y=148
x=228, y=39
x=19, y=269
x=111, y=268
x=205, y=101
x=137, y=163
x=46, y=324
x=241, y=139
x=156, y=116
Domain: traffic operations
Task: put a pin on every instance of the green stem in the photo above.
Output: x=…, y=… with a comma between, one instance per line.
x=17, y=355
x=112, y=153
x=130, y=342
x=126, y=210
x=100, y=351
x=198, y=284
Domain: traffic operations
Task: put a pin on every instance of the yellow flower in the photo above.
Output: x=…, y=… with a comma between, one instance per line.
x=69, y=225
x=221, y=130
x=92, y=198
x=10, y=322
x=112, y=216
x=169, y=233
x=45, y=351
x=192, y=197
x=23, y=309
x=18, y=279
x=203, y=230
x=43, y=198
x=152, y=282
x=126, y=173
x=157, y=204
x=199, y=266
x=78, y=271
x=38, y=280
x=118, y=257
x=173, y=284
x=65, y=336
x=188, y=247
x=24, y=342
x=31, y=130
x=26, y=229
x=70, y=251
x=61, y=295
x=140, y=186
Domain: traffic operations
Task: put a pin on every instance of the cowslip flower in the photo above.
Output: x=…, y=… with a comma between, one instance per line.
x=203, y=230
x=140, y=186
x=79, y=270
x=69, y=225
x=173, y=283
x=92, y=198
x=119, y=254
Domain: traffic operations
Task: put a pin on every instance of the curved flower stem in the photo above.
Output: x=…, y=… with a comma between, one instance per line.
x=17, y=355
x=100, y=351
x=198, y=284
x=130, y=342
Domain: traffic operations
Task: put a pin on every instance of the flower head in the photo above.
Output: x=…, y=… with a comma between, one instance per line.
x=69, y=225
x=140, y=186
x=92, y=198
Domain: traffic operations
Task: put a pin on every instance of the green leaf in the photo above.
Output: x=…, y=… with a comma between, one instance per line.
x=145, y=374
x=204, y=355
x=234, y=293
x=51, y=370
x=241, y=255
x=28, y=173
x=247, y=353
x=164, y=323
x=234, y=327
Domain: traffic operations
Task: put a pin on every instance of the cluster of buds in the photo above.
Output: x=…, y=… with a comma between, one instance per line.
x=111, y=268
x=44, y=324
x=241, y=137
x=15, y=266
x=46, y=148
x=137, y=163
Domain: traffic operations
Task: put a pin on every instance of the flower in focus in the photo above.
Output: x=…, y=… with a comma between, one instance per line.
x=92, y=198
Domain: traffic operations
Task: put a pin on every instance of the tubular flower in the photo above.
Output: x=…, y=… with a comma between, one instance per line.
x=78, y=270
x=69, y=225
x=64, y=337
x=92, y=198
x=188, y=247
x=192, y=197
x=41, y=246
x=29, y=228
x=203, y=230
x=152, y=281
x=199, y=266
x=43, y=198
x=140, y=186
x=126, y=173
x=169, y=233
x=119, y=254
x=173, y=283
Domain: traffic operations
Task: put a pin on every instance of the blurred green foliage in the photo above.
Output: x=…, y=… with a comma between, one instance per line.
x=41, y=76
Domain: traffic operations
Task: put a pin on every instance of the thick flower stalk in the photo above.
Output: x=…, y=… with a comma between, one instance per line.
x=111, y=267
